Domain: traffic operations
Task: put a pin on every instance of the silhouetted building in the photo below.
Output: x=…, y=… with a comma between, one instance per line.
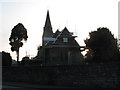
x=59, y=48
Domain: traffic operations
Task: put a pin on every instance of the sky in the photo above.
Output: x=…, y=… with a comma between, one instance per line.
x=79, y=16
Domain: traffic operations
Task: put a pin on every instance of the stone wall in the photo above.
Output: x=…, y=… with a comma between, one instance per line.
x=93, y=75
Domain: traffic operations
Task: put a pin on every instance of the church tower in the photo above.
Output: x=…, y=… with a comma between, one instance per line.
x=47, y=33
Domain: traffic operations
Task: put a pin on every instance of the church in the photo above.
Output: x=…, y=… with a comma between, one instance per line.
x=59, y=48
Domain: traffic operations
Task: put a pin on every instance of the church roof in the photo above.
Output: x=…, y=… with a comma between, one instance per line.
x=65, y=32
x=59, y=39
x=56, y=33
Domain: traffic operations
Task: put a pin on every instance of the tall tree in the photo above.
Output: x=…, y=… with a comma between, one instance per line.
x=102, y=46
x=18, y=35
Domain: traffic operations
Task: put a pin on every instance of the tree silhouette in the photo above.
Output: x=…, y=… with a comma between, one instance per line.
x=6, y=59
x=102, y=46
x=18, y=34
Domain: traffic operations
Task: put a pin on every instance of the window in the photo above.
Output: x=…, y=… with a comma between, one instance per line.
x=65, y=39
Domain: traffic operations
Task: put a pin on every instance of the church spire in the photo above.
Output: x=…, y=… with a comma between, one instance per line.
x=47, y=33
x=48, y=22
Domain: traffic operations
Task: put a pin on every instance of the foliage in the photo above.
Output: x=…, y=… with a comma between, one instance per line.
x=6, y=59
x=102, y=46
x=40, y=52
x=19, y=33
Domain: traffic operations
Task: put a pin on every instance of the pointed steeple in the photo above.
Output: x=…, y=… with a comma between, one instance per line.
x=48, y=22
x=47, y=33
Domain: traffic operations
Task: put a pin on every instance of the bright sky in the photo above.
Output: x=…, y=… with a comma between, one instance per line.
x=79, y=16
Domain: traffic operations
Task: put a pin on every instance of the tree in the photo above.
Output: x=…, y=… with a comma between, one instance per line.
x=6, y=59
x=18, y=34
x=39, y=53
x=102, y=46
